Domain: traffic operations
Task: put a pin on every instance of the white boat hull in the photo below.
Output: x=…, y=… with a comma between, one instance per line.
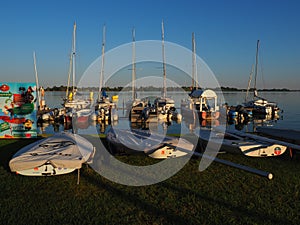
x=45, y=170
x=235, y=143
x=171, y=151
x=152, y=144
x=55, y=155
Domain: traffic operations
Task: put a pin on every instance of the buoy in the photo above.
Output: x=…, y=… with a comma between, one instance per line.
x=160, y=116
x=115, y=117
x=93, y=116
x=179, y=117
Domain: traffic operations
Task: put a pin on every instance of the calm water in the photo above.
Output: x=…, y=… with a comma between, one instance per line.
x=288, y=102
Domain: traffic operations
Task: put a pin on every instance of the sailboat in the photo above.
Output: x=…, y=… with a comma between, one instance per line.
x=259, y=105
x=71, y=101
x=74, y=106
x=45, y=113
x=153, y=144
x=139, y=109
x=59, y=154
x=165, y=106
x=200, y=103
x=234, y=141
x=105, y=109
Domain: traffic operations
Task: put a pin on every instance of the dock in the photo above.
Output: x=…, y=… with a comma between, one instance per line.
x=288, y=135
x=136, y=118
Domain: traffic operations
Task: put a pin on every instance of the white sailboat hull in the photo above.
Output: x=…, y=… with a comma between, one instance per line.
x=171, y=151
x=235, y=143
x=45, y=170
x=59, y=154
x=152, y=144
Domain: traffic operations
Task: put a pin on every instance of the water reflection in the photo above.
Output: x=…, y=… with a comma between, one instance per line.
x=288, y=101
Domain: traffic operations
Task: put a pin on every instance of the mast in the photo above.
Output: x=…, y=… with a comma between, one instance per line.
x=102, y=64
x=256, y=63
x=36, y=79
x=164, y=60
x=249, y=82
x=133, y=65
x=194, y=67
x=69, y=77
x=73, y=56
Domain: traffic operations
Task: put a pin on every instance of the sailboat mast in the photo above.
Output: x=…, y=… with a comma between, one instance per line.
x=133, y=65
x=164, y=60
x=256, y=64
x=194, y=71
x=69, y=76
x=73, y=56
x=102, y=64
x=36, y=79
x=249, y=82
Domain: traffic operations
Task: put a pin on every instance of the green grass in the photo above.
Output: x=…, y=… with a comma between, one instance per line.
x=218, y=195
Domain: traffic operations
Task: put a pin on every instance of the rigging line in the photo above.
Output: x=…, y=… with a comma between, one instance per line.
x=73, y=57
x=69, y=76
x=102, y=64
x=256, y=63
x=249, y=83
x=262, y=71
x=164, y=60
x=133, y=65
x=36, y=79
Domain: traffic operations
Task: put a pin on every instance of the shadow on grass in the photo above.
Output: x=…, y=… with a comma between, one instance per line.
x=139, y=203
x=256, y=217
x=7, y=151
x=239, y=211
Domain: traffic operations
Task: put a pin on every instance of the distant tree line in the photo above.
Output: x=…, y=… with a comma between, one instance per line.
x=252, y=89
x=151, y=88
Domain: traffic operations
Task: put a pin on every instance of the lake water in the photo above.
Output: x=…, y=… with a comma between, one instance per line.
x=288, y=102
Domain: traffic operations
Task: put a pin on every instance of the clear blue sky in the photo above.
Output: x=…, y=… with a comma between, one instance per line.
x=226, y=34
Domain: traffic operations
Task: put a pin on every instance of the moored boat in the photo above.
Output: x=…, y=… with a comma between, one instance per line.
x=203, y=104
x=259, y=105
x=166, y=110
x=82, y=115
x=105, y=108
x=72, y=102
x=165, y=106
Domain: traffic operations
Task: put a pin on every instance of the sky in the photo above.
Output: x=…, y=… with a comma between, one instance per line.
x=226, y=33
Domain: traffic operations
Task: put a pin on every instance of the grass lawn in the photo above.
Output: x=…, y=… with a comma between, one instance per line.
x=218, y=195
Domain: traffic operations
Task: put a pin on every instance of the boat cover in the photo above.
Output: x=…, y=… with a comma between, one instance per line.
x=203, y=94
x=62, y=150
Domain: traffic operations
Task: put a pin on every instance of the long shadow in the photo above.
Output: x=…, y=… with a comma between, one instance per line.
x=260, y=217
x=171, y=217
x=7, y=151
x=257, y=216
